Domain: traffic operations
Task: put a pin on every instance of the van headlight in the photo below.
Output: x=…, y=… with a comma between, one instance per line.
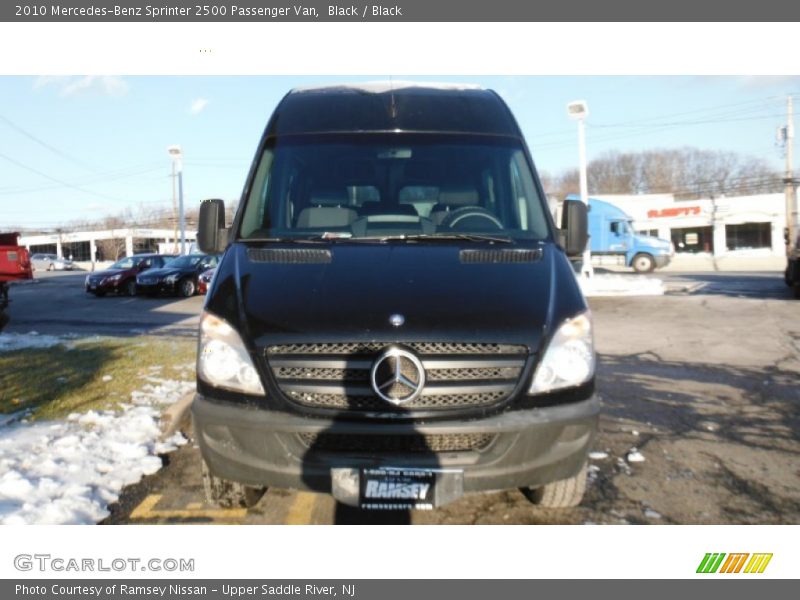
x=222, y=359
x=569, y=359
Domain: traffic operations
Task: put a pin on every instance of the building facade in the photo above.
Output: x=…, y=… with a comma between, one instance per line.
x=105, y=245
x=725, y=226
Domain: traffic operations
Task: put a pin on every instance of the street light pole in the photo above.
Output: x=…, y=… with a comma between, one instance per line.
x=578, y=111
x=177, y=165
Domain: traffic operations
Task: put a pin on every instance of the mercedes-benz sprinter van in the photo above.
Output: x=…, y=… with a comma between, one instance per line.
x=395, y=319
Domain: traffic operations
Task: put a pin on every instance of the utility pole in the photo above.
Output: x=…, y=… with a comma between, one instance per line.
x=791, y=196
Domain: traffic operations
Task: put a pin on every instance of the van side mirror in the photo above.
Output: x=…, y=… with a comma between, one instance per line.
x=574, y=227
x=212, y=237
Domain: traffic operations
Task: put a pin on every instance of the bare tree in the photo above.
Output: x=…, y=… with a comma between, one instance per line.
x=685, y=172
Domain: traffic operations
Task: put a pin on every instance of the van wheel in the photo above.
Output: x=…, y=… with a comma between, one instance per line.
x=130, y=288
x=643, y=263
x=187, y=288
x=229, y=494
x=797, y=291
x=565, y=493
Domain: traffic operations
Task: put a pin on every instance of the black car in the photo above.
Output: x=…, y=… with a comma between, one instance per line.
x=120, y=278
x=395, y=319
x=178, y=276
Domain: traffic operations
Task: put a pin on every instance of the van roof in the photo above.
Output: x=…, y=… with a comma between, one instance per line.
x=379, y=87
x=393, y=107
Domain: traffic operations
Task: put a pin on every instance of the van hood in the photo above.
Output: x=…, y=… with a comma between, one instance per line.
x=352, y=296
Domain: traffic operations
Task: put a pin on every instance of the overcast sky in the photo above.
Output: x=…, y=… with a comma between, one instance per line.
x=84, y=147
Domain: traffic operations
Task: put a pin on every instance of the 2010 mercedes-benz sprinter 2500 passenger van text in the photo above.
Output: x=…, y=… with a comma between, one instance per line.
x=395, y=319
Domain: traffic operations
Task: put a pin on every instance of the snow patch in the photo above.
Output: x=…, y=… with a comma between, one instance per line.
x=651, y=514
x=20, y=341
x=620, y=285
x=59, y=472
x=598, y=455
x=634, y=456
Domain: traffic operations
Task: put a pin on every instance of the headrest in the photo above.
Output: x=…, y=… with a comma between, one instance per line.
x=329, y=197
x=459, y=195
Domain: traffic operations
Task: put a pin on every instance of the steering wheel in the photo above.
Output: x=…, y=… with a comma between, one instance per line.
x=464, y=217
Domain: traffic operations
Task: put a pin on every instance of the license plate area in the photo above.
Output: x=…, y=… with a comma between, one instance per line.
x=397, y=488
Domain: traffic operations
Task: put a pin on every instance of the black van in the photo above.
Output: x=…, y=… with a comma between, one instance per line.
x=395, y=319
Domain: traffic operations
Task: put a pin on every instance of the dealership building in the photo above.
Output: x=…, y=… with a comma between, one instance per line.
x=89, y=246
x=725, y=226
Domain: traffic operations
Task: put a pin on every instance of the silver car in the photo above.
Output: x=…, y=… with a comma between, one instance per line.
x=51, y=262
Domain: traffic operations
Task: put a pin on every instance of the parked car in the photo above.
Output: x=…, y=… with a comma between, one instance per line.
x=205, y=280
x=51, y=262
x=179, y=276
x=120, y=278
x=395, y=319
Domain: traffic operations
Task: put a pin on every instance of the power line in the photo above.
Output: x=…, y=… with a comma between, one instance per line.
x=44, y=144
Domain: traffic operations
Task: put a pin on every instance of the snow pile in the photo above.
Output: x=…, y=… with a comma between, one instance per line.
x=69, y=471
x=634, y=456
x=19, y=341
x=621, y=285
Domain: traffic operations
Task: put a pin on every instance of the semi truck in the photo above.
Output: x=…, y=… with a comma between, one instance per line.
x=15, y=265
x=612, y=235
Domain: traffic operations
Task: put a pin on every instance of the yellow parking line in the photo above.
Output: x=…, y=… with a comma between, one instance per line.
x=301, y=509
x=146, y=510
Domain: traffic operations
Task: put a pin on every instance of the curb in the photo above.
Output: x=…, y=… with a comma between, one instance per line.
x=174, y=414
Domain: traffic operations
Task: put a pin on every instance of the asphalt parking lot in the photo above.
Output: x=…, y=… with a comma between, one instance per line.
x=702, y=383
x=56, y=303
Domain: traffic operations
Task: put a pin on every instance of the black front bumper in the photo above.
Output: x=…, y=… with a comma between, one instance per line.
x=528, y=448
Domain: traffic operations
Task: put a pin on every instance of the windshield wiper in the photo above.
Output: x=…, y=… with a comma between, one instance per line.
x=286, y=240
x=445, y=237
x=403, y=237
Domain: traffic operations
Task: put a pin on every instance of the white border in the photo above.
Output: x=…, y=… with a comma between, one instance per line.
x=448, y=552
x=399, y=48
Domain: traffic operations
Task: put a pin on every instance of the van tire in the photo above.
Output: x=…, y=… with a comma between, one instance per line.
x=643, y=263
x=565, y=493
x=797, y=290
x=229, y=494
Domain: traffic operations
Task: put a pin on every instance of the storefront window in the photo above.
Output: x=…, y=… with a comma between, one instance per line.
x=748, y=236
x=693, y=239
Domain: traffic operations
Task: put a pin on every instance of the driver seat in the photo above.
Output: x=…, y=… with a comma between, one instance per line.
x=452, y=198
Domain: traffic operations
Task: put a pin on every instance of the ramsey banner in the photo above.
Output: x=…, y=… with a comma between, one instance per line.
x=400, y=10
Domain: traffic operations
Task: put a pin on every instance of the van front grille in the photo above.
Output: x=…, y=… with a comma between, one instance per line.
x=337, y=375
x=417, y=443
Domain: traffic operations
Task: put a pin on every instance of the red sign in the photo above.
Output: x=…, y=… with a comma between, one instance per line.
x=682, y=211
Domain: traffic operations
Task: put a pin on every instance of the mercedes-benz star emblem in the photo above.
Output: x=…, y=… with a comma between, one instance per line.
x=397, y=376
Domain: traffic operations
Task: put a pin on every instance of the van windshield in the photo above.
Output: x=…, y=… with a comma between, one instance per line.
x=393, y=186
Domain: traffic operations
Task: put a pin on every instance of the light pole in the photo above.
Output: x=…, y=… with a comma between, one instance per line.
x=578, y=110
x=177, y=166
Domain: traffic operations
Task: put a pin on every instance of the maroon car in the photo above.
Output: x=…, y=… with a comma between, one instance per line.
x=205, y=280
x=121, y=276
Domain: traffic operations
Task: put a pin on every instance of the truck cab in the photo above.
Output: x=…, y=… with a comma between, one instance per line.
x=611, y=234
x=15, y=265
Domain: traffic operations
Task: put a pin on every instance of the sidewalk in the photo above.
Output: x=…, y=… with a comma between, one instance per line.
x=706, y=262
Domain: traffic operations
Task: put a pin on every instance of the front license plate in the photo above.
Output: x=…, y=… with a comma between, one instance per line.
x=397, y=488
